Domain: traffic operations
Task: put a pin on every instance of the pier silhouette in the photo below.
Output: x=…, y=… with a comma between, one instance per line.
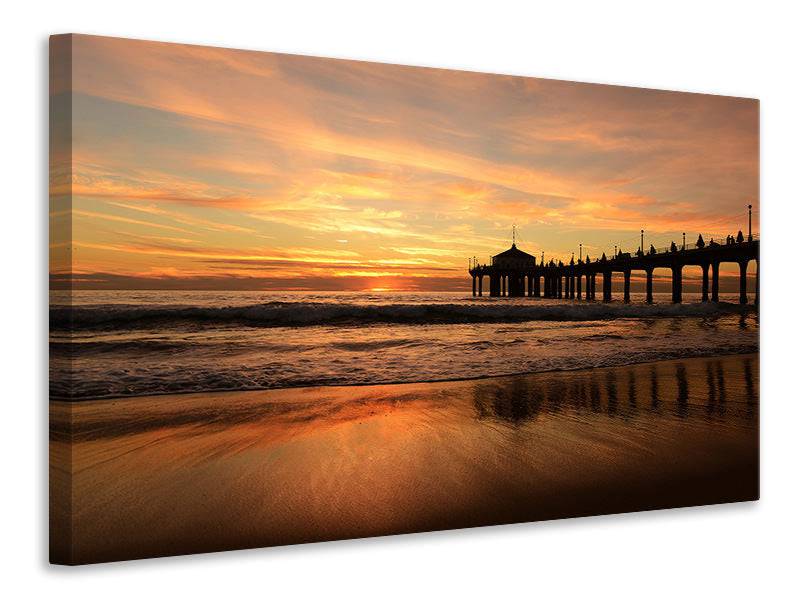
x=515, y=273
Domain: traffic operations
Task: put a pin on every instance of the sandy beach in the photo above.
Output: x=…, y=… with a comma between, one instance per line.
x=162, y=475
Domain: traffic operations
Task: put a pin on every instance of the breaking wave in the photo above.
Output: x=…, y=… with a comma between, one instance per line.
x=127, y=344
x=293, y=314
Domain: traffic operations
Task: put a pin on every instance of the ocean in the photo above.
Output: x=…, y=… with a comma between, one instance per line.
x=114, y=344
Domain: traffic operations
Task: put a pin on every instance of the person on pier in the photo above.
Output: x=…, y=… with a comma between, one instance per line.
x=700, y=242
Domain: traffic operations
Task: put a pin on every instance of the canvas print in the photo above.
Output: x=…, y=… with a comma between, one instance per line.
x=298, y=299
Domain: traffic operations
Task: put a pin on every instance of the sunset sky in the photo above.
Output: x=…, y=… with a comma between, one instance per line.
x=206, y=168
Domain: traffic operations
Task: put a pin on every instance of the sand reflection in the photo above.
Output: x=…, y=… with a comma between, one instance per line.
x=203, y=472
x=692, y=389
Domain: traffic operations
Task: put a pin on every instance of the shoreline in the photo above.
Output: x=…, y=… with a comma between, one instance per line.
x=358, y=384
x=230, y=470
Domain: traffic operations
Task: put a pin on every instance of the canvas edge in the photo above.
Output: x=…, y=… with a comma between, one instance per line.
x=60, y=490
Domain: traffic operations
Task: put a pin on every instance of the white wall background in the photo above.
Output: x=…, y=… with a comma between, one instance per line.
x=736, y=48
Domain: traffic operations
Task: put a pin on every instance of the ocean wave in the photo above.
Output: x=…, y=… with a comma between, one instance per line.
x=122, y=383
x=75, y=348
x=59, y=348
x=308, y=314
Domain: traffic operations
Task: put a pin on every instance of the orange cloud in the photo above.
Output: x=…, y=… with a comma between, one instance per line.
x=416, y=169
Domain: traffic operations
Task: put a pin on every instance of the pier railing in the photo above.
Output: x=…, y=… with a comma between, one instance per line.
x=693, y=246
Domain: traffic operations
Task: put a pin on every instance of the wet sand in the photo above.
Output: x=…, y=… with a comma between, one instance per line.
x=163, y=475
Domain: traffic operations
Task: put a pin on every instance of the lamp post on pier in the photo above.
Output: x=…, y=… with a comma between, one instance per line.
x=641, y=242
x=749, y=222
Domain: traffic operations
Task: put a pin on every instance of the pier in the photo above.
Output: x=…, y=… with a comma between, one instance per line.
x=515, y=273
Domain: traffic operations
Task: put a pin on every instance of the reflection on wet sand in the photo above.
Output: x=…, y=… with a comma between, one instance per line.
x=750, y=387
x=204, y=472
x=666, y=384
x=631, y=390
x=683, y=390
x=654, y=400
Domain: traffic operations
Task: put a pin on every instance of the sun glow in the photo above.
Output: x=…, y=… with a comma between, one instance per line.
x=260, y=177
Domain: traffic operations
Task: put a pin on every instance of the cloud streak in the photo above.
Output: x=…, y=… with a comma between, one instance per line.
x=184, y=156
